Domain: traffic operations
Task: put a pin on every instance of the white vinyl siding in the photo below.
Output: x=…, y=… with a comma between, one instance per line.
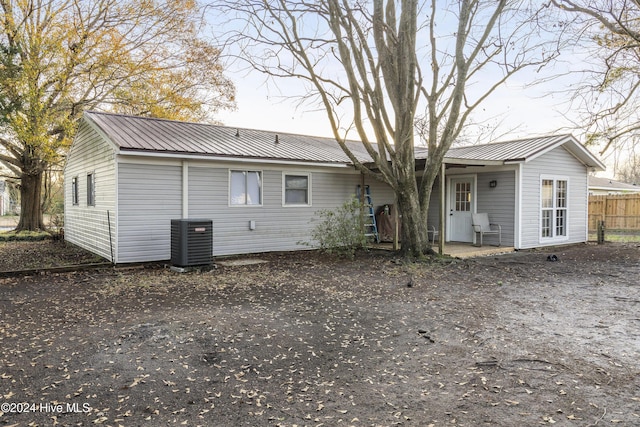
x=277, y=227
x=149, y=197
x=547, y=166
x=92, y=227
x=499, y=203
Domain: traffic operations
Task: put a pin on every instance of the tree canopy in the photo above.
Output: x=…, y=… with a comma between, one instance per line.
x=62, y=57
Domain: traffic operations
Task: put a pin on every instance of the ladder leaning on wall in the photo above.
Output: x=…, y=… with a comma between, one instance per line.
x=370, y=226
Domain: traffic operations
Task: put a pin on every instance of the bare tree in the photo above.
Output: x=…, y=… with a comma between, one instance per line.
x=609, y=97
x=378, y=67
x=629, y=171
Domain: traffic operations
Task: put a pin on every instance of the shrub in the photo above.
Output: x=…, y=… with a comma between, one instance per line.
x=339, y=231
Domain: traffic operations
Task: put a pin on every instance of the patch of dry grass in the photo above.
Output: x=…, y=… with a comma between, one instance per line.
x=19, y=255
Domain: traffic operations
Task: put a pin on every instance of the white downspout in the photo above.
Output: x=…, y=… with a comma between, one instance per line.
x=517, y=235
x=185, y=189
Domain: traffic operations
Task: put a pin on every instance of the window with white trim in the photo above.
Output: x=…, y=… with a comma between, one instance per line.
x=75, y=200
x=297, y=189
x=554, y=208
x=245, y=188
x=91, y=193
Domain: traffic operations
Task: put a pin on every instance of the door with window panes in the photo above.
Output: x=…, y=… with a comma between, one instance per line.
x=461, y=206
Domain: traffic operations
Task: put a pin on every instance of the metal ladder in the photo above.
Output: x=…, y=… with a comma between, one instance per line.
x=370, y=226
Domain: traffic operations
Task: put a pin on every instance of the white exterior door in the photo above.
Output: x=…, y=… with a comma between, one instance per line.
x=461, y=205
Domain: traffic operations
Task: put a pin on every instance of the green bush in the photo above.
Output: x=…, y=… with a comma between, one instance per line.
x=339, y=231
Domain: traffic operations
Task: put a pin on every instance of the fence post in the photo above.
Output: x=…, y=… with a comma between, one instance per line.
x=600, y=232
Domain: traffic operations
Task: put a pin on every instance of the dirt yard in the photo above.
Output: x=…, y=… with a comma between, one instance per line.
x=301, y=340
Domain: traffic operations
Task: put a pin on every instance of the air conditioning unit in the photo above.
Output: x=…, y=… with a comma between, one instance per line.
x=191, y=242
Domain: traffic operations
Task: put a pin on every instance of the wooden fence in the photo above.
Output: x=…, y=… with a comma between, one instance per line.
x=619, y=212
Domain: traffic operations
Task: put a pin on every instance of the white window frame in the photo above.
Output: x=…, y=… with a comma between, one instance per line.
x=284, y=189
x=554, y=237
x=261, y=185
x=91, y=188
x=75, y=191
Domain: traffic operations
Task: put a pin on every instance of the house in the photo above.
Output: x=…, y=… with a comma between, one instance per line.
x=127, y=177
x=535, y=188
x=5, y=198
x=603, y=186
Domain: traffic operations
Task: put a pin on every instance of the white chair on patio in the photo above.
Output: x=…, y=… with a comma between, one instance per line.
x=433, y=232
x=481, y=224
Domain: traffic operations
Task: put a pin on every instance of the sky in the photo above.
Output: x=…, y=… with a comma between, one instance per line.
x=515, y=110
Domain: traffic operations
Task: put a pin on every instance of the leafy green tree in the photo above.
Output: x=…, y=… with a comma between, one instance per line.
x=62, y=57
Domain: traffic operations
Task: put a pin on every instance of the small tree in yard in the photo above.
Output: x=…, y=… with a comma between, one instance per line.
x=339, y=231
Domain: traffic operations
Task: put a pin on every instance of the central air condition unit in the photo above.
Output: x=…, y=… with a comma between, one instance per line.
x=191, y=242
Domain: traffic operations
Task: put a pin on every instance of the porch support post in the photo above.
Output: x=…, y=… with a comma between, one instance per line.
x=396, y=245
x=362, y=183
x=441, y=220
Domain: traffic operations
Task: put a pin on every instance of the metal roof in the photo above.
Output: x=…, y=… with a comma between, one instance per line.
x=597, y=183
x=132, y=134
x=151, y=135
x=521, y=150
x=517, y=150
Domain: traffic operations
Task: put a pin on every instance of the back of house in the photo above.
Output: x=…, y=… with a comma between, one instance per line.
x=127, y=177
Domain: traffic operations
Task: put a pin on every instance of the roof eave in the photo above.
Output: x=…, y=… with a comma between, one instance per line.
x=212, y=157
x=472, y=162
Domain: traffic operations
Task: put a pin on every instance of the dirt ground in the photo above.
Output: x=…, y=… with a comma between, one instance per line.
x=302, y=340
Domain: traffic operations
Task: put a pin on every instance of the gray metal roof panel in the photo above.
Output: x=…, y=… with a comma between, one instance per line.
x=517, y=150
x=610, y=184
x=142, y=134
x=132, y=133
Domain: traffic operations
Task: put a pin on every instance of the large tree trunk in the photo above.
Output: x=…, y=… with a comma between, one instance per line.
x=415, y=241
x=31, y=218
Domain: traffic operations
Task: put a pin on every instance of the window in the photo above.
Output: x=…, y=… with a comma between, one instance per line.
x=74, y=191
x=553, y=203
x=463, y=196
x=245, y=188
x=297, y=190
x=91, y=194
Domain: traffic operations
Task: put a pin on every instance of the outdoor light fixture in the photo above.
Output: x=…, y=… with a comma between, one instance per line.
x=493, y=184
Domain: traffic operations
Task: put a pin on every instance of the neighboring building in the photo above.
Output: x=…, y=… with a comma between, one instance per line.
x=5, y=198
x=127, y=177
x=603, y=186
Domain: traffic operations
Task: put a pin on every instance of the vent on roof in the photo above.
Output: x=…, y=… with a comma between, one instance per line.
x=237, y=132
x=191, y=242
x=277, y=138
